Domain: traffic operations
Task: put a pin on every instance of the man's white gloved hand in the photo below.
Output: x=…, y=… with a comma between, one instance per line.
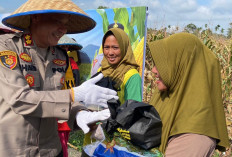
x=84, y=118
x=91, y=94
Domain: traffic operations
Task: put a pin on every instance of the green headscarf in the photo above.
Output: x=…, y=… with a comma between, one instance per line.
x=193, y=102
x=128, y=60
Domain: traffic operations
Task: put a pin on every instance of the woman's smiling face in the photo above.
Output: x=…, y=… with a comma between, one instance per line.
x=112, y=50
x=160, y=84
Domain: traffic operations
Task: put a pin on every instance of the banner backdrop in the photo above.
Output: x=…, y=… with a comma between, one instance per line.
x=134, y=21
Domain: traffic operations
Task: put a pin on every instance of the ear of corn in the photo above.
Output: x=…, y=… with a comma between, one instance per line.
x=138, y=53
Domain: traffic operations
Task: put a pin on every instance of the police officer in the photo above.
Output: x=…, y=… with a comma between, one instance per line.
x=32, y=71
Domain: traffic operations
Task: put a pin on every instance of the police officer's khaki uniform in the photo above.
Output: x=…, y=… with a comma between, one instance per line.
x=30, y=97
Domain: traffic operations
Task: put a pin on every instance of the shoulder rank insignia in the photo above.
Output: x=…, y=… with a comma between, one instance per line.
x=28, y=40
x=25, y=57
x=30, y=80
x=8, y=59
x=59, y=62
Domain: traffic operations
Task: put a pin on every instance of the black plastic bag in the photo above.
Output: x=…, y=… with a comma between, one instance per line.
x=106, y=82
x=138, y=122
x=110, y=125
x=142, y=122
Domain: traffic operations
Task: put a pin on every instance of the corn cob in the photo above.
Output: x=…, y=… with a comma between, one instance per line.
x=138, y=53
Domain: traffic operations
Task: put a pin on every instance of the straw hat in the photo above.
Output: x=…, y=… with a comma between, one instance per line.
x=65, y=40
x=79, y=21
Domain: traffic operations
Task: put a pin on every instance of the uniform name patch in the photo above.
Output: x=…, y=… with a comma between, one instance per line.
x=8, y=59
x=30, y=80
x=25, y=57
x=61, y=70
x=59, y=62
x=27, y=67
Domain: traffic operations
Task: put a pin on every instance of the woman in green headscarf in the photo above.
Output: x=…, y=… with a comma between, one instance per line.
x=189, y=97
x=119, y=64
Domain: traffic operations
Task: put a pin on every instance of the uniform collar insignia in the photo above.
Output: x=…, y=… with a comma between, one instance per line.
x=59, y=62
x=30, y=80
x=25, y=57
x=28, y=40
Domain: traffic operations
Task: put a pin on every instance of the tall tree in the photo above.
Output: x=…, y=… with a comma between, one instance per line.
x=217, y=27
x=102, y=7
x=191, y=28
x=229, y=31
x=222, y=30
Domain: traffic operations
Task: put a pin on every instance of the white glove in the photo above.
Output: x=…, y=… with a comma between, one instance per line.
x=84, y=118
x=91, y=94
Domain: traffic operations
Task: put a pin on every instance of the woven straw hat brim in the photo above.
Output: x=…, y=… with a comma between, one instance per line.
x=78, y=22
x=66, y=40
x=73, y=46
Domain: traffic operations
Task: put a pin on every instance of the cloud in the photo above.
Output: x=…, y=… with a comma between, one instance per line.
x=155, y=9
x=202, y=10
x=216, y=11
x=222, y=6
x=2, y=16
x=184, y=12
x=112, y=4
x=150, y=3
x=129, y=3
x=174, y=12
x=82, y=5
x=182, y=6
x=2, y=10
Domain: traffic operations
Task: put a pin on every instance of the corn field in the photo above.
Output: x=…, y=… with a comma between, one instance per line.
x=222, y=47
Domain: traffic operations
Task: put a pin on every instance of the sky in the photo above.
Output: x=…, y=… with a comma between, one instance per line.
x=162, y=13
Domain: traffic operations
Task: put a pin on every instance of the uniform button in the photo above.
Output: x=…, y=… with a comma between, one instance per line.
x=63, y=110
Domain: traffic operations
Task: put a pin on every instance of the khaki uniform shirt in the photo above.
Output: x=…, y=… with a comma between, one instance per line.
x=31, y=101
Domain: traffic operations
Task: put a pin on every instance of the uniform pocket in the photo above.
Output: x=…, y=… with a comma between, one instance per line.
x=59, y=81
